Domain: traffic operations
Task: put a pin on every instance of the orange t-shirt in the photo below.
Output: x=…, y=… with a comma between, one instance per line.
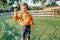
x=24, y=18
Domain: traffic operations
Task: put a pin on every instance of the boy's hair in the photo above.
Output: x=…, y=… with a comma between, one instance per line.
x=25, y=4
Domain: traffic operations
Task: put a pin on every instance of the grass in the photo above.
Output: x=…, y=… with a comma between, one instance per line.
x=45, y=29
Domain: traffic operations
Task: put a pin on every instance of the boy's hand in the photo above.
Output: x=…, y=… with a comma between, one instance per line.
x=32, y=27
x=15, y=9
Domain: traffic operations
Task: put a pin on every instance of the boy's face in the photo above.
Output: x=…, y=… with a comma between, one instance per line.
x=23, y=8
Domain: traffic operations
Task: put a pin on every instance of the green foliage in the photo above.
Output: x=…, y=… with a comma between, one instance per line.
x=52, y=3
x=36, y=8
x=42, y=1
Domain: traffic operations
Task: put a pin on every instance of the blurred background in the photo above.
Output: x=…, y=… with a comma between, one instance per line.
x=46, y=15
x=8, y=5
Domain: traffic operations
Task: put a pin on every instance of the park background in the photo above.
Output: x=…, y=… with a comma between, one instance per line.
x=46, y=15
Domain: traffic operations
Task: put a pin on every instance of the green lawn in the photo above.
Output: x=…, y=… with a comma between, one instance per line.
x=45, y=29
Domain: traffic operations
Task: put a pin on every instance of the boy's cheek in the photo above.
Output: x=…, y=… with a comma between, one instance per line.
x=22, y=10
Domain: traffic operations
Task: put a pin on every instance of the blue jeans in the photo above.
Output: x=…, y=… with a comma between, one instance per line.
x=25, y=31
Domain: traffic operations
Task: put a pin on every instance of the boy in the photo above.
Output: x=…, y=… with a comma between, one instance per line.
x=26, y=21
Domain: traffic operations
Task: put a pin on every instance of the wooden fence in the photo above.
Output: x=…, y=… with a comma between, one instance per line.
x=39, y=13
x=43, y=13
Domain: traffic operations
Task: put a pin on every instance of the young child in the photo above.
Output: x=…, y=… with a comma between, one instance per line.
x=26, y=21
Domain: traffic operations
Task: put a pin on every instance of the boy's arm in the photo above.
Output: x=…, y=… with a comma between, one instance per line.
x=16, y=17
x=31, y=22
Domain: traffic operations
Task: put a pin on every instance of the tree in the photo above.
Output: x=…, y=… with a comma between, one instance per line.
x=42, y=1
x=52, y=3
x=3, y=3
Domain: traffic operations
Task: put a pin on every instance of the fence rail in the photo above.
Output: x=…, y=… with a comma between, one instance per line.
x=34, y=13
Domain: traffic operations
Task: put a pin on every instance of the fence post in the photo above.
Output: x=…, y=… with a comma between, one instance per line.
x=53, y=13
